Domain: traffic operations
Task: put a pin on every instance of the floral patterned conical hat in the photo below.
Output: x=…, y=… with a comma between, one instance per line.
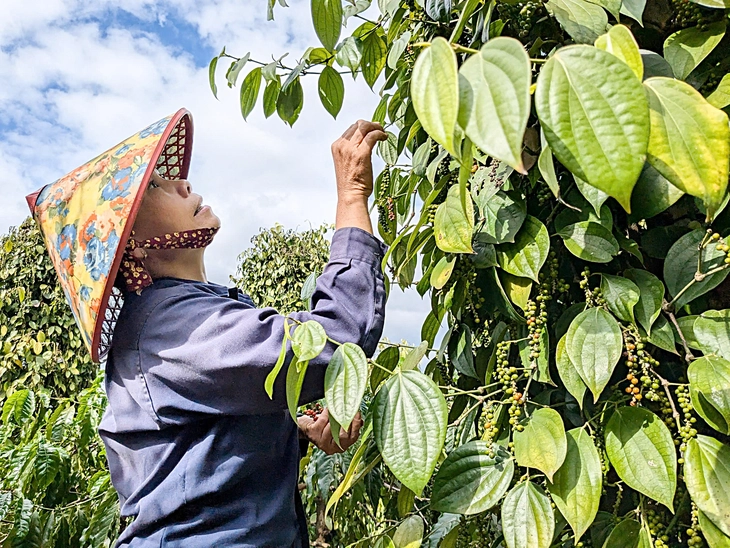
x=86, y=219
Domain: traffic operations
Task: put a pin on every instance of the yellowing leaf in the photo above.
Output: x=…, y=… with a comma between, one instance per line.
x=690, y=140
x=620, y=42
x=453, y=225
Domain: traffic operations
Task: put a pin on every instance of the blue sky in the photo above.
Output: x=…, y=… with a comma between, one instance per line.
x=81, y=75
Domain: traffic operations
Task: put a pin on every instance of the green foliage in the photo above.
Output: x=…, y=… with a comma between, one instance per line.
x=55, y=489
x=40, y=345
x=557, y=190
x=273, y=270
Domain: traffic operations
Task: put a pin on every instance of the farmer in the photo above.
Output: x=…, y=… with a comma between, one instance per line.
x=198, y=452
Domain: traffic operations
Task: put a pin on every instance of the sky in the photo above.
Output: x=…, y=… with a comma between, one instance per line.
x=80, y=76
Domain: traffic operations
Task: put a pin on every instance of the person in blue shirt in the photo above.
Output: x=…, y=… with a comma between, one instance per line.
x=198, y=452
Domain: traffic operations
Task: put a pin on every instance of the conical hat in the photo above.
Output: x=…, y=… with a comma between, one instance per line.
x=86, y=218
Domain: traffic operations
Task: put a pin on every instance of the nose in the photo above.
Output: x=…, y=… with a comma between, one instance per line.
x=184, y=188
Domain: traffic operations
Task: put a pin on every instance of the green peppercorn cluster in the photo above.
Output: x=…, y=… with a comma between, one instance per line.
x=385, y=203
x=656, y=519
x=488, y=422
x=693, y=531
x=594, y=297
x=444, y=372
x=689, y=14
x=639, y=363
x=687, y=431
x=474, y=531
x=521, y=17
x=544, y=194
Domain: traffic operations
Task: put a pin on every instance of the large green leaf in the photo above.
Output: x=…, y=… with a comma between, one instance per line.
x=527, y=517
x=583, y=21
x=651, y=296
x=620, y=42
x=289, y=102
x=709, y=386
x=594, y=345
x=594, y=196
x=576, y=486
x=250, y=91
x=542, y=443
x=720, y=98
x=460, y=352
x=445, y=529
x=662, y=335
x=624, y=535
x=680, y=267
x=442, y=271
x=518, y=289
x=294, y=382
x=652, y=194
x=503, y=217
x=308, y=340
x=686, y=48
x=590, y=241
x=327, y=18
x=409, y=421
x=633, y=9
x=568, y=373
x=331, y=90
x=350, y=54
x=494, y=99
x=414, y=357
x=621, y=296
x=19, y=406
x=595, y=117
x=453, y=223
x=469, y=481
x=409, y=533
x=714, y=537
x=374, y=53
x=712, y=332
x=387, y=359
x=707, y=475
x=529, y=251
x=435, y=93
x=345, y=382
x=271, y=96
x=640, y=448
x=690, y=140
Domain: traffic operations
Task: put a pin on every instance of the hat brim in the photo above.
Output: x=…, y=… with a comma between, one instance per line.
x=87, y=217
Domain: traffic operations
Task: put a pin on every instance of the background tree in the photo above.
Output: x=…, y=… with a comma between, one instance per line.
x=274, y=269
x=39, y=346
x=559, y=170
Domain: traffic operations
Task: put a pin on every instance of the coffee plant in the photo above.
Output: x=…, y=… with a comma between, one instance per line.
x=556, y=186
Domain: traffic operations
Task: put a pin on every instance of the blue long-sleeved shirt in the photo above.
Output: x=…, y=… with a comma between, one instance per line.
x=199, y=454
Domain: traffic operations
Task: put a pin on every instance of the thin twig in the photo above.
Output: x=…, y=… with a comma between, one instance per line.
x=688, y=356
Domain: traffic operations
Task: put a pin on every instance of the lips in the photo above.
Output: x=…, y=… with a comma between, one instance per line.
x=198, y=208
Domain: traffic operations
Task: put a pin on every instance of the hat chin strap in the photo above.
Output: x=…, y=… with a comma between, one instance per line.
x=133, y=271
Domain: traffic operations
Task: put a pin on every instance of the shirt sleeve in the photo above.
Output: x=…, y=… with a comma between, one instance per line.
x=202, y=354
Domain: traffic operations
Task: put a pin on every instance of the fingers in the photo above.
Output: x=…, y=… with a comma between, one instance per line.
x=373, y=137
x=357, y=132
x=350, y=131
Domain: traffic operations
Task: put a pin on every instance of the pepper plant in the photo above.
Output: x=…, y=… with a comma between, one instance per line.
x=556, y=186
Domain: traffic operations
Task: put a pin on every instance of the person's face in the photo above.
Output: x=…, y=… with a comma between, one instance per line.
x=168, y=206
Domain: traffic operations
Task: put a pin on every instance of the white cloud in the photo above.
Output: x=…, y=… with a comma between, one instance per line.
x=77, y=83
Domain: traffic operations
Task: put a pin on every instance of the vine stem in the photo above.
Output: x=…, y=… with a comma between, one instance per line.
x=681, y=504
x=688, y=356
x=665, y=384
